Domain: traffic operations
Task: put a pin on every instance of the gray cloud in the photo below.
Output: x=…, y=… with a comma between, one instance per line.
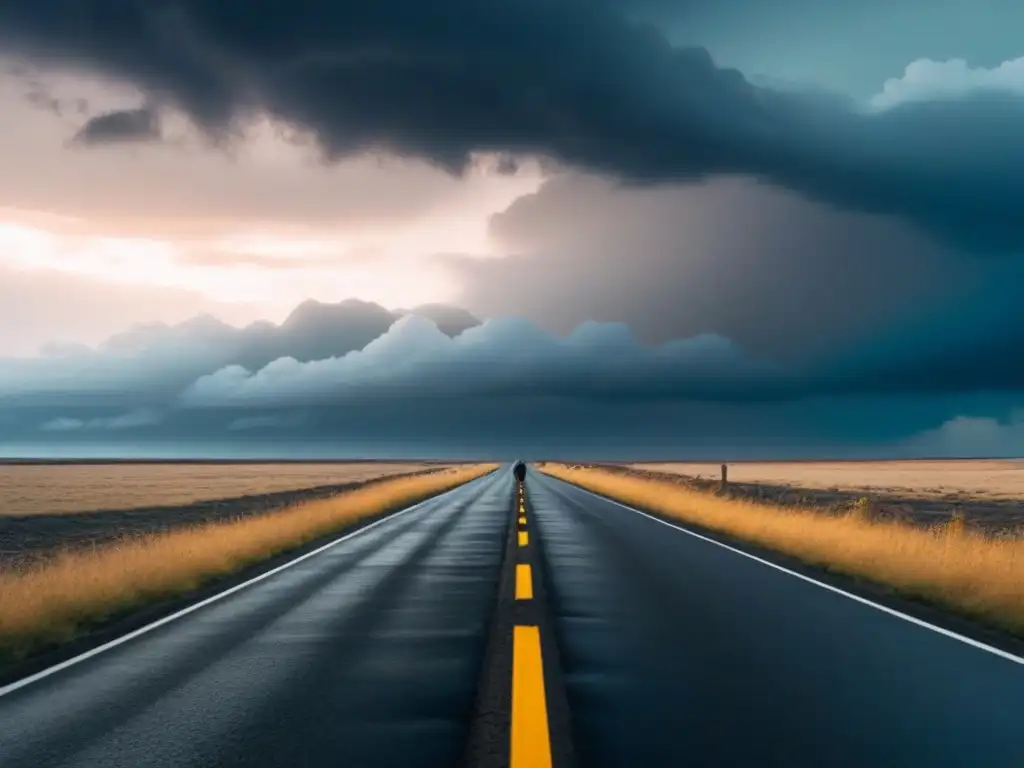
x=963, y=436
x=126, y=125
x=39, y=97
x=313, y=331
x=137, y=419
x=209, y=192
x=267, y=422
x=780, y=275
x=62, y=424
x=501, y=358
x=498, y=389
x=442, y=81
x=150, y=364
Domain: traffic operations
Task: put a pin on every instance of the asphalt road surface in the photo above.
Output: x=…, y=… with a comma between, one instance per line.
x=366, y=654
x=678, y=652
x=672, y=651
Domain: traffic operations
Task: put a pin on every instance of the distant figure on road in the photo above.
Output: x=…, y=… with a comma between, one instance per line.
x=520, y=471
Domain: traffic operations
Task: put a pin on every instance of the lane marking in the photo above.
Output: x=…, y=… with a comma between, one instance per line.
x=530, y=742
x=524, y=538
x=524, y=582
x=18, y=684
x=856, y=598
x=522, y=520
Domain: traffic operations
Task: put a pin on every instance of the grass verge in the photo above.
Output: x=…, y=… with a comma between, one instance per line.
x=51, y=603
x=947, y=566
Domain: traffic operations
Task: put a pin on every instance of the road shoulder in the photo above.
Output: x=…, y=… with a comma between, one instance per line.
x=869, y=590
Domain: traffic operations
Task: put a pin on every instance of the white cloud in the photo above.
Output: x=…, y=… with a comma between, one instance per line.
x=972, y=436
x=158, y=360
x=929, y=80
x=503, y=356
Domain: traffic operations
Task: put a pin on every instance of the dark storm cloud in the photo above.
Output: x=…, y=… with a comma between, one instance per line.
x=498, y=389
x=313, y=331
x=413, y=382
x=126, y=125
x=334, y=356
x=569, y=79
x=781, y=276
x=501, y=358
x=149, y=365
x=971, y=344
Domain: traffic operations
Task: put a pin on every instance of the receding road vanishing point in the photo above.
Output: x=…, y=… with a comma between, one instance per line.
x=524, y=626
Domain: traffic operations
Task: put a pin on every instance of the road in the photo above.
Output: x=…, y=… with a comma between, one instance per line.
x=671, y=651
x=366, y=654
x=678, y=652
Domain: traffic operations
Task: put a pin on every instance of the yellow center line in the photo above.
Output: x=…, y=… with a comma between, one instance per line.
x=524, y=538
x=522, y=521
x=524, y=582
x=530, y=743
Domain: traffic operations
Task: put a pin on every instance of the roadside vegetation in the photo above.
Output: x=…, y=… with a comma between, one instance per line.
x=949, y=565
x=47, y=489
x=52, y=602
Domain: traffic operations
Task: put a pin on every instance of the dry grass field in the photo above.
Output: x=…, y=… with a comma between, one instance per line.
x=996, y=479
x=51, y=601
x=989, y=493
x=947, y=565
x=62, y=488
x=50, y=508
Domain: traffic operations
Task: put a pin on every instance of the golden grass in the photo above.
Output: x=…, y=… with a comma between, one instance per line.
x=986, y=478
x=47, y=488
x=52, y=602
x=949, y=566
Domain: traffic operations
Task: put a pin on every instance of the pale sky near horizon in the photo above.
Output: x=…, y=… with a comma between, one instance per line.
x=245, y=233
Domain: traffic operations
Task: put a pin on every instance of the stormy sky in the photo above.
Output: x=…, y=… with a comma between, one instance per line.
x=605, y=228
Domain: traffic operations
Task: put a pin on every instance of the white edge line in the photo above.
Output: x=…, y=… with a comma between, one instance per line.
x=18, y=684
x=864, y=601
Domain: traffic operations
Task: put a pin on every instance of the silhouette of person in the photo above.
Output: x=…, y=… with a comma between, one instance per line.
x=520, y=471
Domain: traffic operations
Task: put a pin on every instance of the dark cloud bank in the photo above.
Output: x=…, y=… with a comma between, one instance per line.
x=353, y=379
x=572, y=80
x=781, y=276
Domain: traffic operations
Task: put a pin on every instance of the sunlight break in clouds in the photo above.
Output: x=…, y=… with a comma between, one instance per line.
x=274, y=271
x=260, y=220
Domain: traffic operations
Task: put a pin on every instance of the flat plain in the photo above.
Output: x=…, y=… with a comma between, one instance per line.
x=30, y=489
x=48, y=507
x=990, y=493
x=986, y=477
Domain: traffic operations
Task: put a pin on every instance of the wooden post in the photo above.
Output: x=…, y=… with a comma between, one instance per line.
x=725, y=477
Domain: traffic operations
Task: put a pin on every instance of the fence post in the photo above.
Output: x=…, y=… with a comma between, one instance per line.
x=725, y=477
